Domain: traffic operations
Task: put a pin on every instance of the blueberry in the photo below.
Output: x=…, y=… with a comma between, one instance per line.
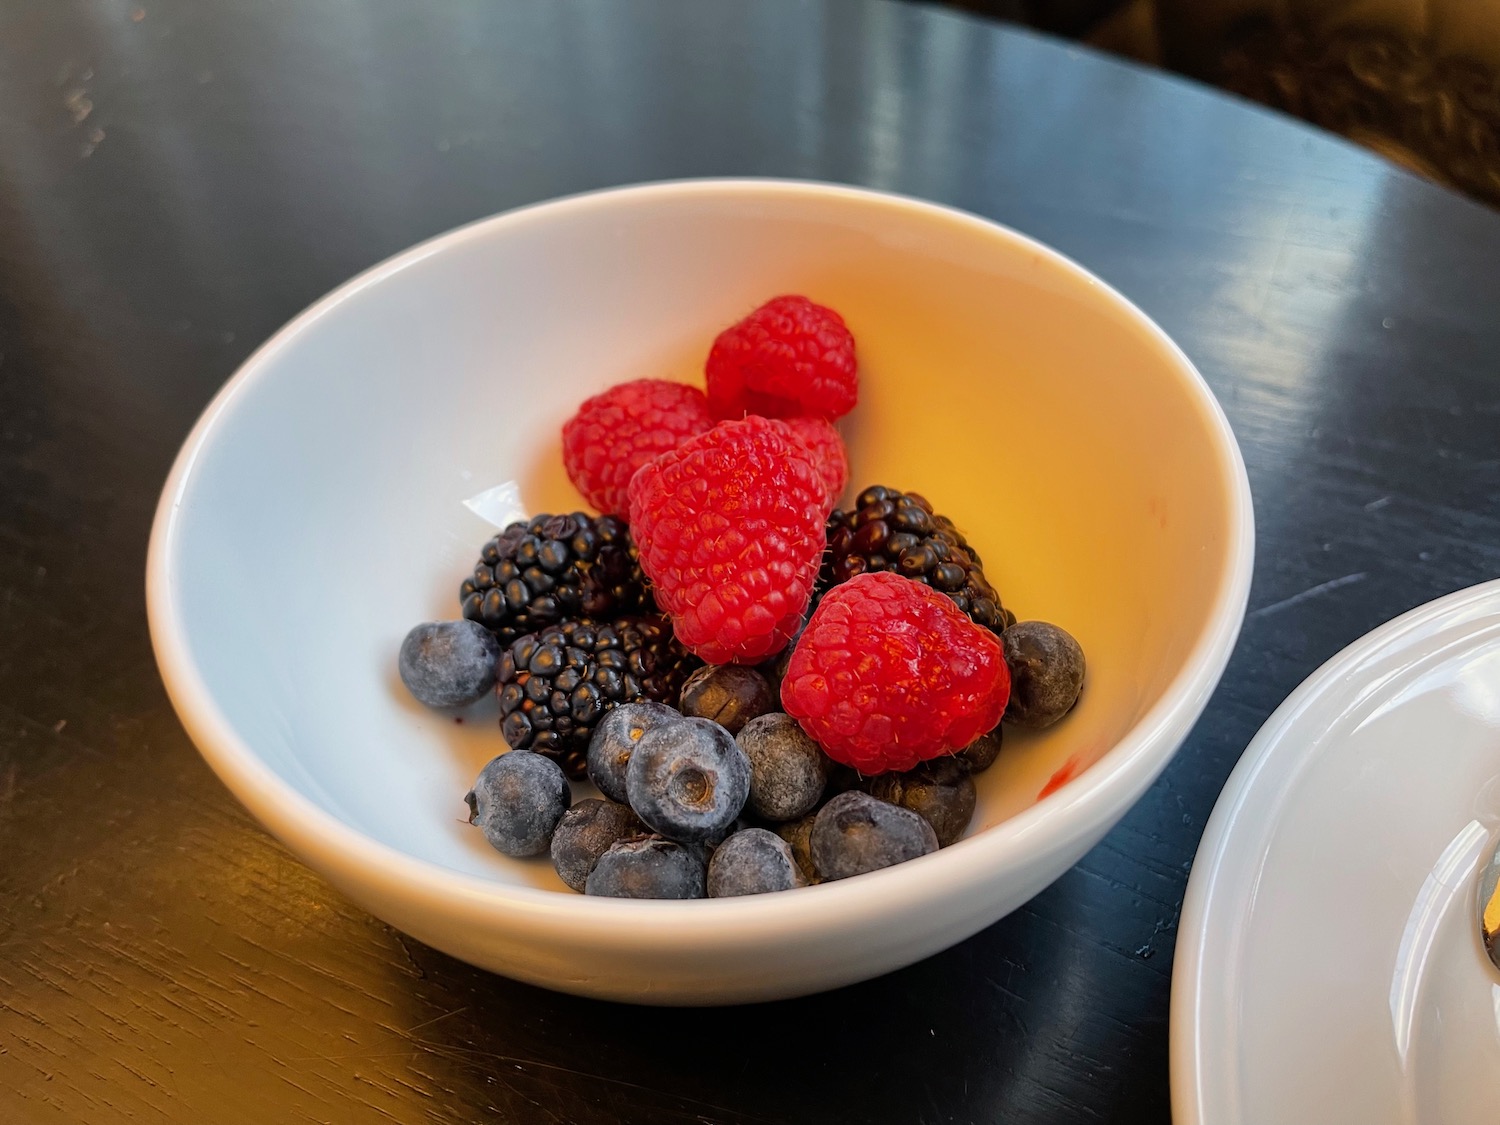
x=517, y=801
x=1046, y=673
x=586, y=832
x=940, y=791
x=787, y=769
x=448, y=663
x=752, y=862
x=855, y=833
x=648, y=867
x=614, y=740
x=797, y=834
x=980, y=754
x=729, y=694
x=688, y=780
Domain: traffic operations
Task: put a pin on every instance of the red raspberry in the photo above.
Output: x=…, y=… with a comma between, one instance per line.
x=890, y=673
x=788, y=357
x=615, y=433
x=730, y=531
x=826, y=448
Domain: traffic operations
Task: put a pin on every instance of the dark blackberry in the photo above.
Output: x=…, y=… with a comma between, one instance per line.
x=557, y=683
x=899, y=532
x=548, y=569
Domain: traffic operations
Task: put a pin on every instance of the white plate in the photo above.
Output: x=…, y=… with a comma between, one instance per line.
x=1328, y=966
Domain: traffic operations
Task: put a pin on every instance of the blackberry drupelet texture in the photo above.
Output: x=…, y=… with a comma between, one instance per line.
x=548, y=569
x=555, y=685
x=888, y=530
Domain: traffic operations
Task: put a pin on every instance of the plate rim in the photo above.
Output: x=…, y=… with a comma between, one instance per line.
x=1185, y=1054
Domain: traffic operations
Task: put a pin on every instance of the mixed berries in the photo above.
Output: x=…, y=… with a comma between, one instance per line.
x=768, y=692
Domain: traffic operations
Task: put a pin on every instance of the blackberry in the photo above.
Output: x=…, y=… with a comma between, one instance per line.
x=899, y=532
x=552, y=568
x=556, y=684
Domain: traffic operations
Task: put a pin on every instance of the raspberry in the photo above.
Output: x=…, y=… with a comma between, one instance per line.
x=730, y=532
x=890, y=672
x=826, y=448
x=615, y=433
x=788, y=357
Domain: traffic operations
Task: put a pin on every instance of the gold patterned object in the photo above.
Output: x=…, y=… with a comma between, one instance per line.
x=1489, y=908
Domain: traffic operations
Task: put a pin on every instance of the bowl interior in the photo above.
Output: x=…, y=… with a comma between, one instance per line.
x=323, y=515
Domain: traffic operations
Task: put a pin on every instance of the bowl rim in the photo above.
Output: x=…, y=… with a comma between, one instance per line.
x=333, y=846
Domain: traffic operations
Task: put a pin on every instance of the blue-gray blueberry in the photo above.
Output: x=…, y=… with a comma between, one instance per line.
x=854, y=833
x=648, y=867
x=752, y=862
x=448, y=663
x=688, y=780
x=517, y=801
x=787, y=768
x=585, y=832
x=614, y=741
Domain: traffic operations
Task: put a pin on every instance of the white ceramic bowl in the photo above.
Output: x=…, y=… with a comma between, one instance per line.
x=315, y=514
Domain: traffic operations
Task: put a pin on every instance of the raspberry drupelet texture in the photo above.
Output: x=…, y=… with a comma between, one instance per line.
x=730, y=531
x=889, y=673
x=789, y=357
x=826, y=448
x=616, y=432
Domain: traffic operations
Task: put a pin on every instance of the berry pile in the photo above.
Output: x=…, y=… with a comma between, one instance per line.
x=767, y=691
x=693, y=810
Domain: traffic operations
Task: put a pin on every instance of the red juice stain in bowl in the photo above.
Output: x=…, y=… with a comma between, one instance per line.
x=1065, y=773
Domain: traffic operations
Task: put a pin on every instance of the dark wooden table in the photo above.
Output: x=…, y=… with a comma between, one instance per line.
x=178, y=177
